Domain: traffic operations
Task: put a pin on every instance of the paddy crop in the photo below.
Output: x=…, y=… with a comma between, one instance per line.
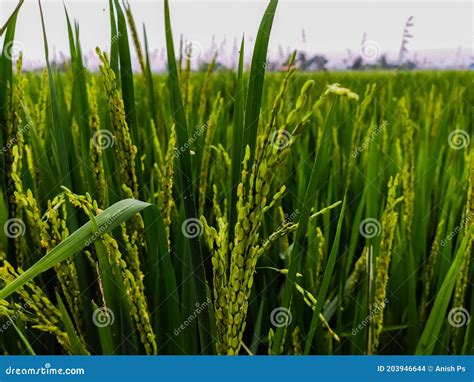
x=232, y=211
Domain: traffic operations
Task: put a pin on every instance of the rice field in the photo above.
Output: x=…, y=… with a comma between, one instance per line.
x=232, y=211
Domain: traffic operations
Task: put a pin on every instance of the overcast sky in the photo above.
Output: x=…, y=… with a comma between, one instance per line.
x=330, y=27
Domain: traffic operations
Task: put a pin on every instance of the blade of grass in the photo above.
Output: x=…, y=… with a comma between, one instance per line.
x=11, y=18
x=80, y=106
x=126, y=74
x=329, y=268
x=161, y=282
x=114, y=50
x=22, y=337
x=150, y=83
x=256, y=80
x=6, y=81
x=256, y=338
x=59, y=142
x=185, y=181
x=237, y=139
x=437, y=317
x=43, y=165
x=326, y=279
x=76, y=343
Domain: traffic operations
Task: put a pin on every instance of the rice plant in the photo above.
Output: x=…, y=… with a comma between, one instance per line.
x=231, y=211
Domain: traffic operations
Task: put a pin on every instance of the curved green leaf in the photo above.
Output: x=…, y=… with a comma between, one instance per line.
x=106, y=221
x=257, y=77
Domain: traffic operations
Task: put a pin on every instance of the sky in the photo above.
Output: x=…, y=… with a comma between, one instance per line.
x=443, y=30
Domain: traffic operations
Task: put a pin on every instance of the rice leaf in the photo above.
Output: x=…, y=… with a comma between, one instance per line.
x=22, y=337
x=430, y=336
x=161, y=280
x=76, y=343
x=126, y=74
x=256, y=80
x=6, y=80
x=114, y=48
x=11, y=18
x=237, y=138
x=185, y=180
x=331, y=262
x=106, y=221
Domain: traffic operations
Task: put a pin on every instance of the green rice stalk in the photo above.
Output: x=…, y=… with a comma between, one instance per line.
x=65, y=271
x=125, y=150
x=95, y=149
x=320, y=258
x=135, y=39
x=44, y=315
x=186, y=84
x=429, y=270
x=14, y=139
x=165, y=195
x=361, y=112
x=41, y=106
x=206, y=156
x=206, y=90
x=218, y=244
x=297, y=350
x=271, y=336
x=311, y=301
x=388, y=223
x=408, y=173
